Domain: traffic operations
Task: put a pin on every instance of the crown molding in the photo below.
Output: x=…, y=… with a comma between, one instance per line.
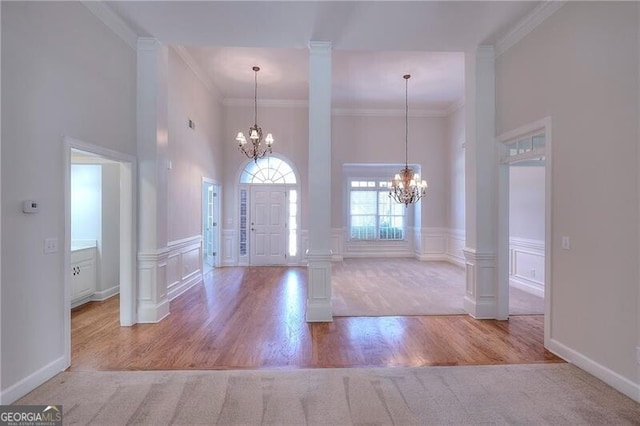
x=530, y=22
x=347, y=112
x=197, y=70
x=379, y=112
x=274, y=103
x=112, y=21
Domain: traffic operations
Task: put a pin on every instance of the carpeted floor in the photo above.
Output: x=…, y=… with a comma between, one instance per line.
x=399, y=287
x=556, y=394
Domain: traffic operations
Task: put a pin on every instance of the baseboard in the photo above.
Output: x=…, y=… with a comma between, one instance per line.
x=228, y=263
x=177, y=290
x=337, y=258
x=458, y=261
x=149, y=313
x=103, y=295
x=433, y=257
x=527, y=287
x=610, y=377
x=29, y=383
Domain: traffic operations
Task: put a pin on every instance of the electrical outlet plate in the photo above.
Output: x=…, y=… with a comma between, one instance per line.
x=50, y=245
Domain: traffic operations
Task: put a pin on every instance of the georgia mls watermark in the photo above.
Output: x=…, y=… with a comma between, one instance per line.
x=30, y=415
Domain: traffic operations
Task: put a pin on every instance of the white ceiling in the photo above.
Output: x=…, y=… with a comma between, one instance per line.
x=374, y=44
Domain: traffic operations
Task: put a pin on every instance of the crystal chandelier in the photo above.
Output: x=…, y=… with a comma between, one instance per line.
x=407, y=187
x=255, y=149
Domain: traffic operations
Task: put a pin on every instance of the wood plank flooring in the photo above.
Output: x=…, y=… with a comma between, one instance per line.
x=255, y=318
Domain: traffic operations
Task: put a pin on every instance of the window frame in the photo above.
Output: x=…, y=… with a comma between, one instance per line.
x=379, y=186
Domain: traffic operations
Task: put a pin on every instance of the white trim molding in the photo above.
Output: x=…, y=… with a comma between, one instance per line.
x=112, y=21
x=184, y=265
x=526, y=265
x=430, y=244
x=455, y=246
x=480, y=299
x=610, y=377
x=197, y=70
x=385, y=112
x=153, y=303
x=229, y=249
x=530, y=22
x=32, y=381
x=101, y=296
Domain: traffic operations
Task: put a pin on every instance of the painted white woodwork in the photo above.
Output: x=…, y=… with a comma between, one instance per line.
x=152, y=115
x=319, y=252
x=184, y=265
x=526, y=265
x=83, y=275
x=268, y=233
x=455, y=247
x=484, y=297
x=229, y=248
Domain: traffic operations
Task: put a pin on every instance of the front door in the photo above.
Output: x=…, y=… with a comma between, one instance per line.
x=268, y=225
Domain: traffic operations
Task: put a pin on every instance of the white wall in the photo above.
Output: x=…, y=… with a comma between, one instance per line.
x=194, y=153
x=109, y=272
x=455, y=136
x=367, y=139
x=526, y=202
x=63, y=73
x=580, y=67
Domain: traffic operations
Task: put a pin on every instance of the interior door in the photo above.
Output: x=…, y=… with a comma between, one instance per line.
x=268, y=225
x=209, y=225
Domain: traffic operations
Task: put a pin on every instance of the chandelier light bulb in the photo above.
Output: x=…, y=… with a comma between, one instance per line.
x=269, y=139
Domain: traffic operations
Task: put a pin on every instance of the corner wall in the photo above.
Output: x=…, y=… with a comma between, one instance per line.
x=63, y=73
x=580, y=67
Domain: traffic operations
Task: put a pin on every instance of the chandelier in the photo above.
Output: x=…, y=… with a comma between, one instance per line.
x=407, y=187
x=255, y=149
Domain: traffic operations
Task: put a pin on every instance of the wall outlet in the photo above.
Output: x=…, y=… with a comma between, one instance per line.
x=566, y=243
x=50, y=245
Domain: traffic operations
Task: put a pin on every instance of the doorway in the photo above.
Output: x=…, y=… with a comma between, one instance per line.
x=524, y=185
x=89, y=272
x=210, y=227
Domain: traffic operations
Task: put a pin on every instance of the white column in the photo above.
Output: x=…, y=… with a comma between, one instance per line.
x=152, y=121
x=319, y=252
x=483, y=295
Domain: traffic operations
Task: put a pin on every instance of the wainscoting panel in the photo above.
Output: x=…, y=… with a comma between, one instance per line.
x=526, y=265
x=431, y=244
x=184, y=265
x=455, y=244
x=229, y=251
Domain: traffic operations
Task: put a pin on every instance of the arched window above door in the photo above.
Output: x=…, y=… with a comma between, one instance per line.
x=268, y=170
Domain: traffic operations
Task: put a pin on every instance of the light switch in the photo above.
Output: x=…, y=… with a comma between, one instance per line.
x=566, y=243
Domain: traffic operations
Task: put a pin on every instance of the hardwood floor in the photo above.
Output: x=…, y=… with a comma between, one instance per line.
x=255, y=318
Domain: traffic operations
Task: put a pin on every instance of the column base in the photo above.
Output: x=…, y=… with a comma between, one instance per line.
x=481, y=292
x=153, y=300
x=319, y=292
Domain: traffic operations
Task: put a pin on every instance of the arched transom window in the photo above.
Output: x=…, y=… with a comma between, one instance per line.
x=268, y=170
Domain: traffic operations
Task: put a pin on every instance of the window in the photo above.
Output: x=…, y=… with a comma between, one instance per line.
x=372, y=214
x=268, y=170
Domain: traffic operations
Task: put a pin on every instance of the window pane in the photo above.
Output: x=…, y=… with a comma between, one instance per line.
x=538, y=141
x=363, y=227
x=363, y=202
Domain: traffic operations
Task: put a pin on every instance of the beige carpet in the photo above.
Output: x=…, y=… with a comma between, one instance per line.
x=555, y=394
x=390, y=287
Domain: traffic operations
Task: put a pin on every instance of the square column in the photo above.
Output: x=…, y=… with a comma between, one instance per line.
x=483, y=296
x=319, y=252
x=152, y=122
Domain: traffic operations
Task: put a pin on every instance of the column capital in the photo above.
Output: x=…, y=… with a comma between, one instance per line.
x=486, y=51
x=319, y=47
x=148, y=43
